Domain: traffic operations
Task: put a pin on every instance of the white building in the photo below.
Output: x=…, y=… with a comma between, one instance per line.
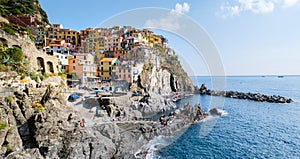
x=63, y=61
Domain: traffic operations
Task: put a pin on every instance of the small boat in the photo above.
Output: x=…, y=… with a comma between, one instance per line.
x=280, y=76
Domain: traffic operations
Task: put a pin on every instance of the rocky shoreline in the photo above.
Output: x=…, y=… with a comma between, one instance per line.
x=38, y=123
x=246, y=96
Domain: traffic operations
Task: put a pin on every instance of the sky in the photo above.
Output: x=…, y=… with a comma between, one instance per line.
x=251, y=37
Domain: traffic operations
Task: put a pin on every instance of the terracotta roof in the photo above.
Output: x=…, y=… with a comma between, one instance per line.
x=108, y=59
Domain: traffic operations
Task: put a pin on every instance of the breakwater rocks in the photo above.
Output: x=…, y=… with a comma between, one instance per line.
x=248, y=96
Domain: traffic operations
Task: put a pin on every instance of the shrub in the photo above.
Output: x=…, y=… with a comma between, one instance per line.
x=37, y=106
x=42, y=77
x=4, y=68
x=22, y=77
x=15, y=53
x=9, y=30
x=3, y=125
x=8, y=148
x=8, y=99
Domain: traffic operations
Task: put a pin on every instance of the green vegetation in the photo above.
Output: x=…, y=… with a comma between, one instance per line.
x=22, y=7
x=12, y=29
x=8, y=148
x=3, y=125
x=9, y=30
x=15, y=54
x=8, y=99
x=38, y=106
x=11, y=59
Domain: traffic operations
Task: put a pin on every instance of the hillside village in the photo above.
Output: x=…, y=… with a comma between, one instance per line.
x=92, y=55
x=78, y=94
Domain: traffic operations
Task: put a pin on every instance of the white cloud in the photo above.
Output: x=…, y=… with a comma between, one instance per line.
x=182, y=8
x=254, y=6
x=171, y=20
x=290, y=3
x=236, y=7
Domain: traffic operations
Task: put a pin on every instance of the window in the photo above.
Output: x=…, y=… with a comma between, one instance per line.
x=57, y=56
x=128, y=70
x=73, y=61
x=73, y=67
x=101, y=63
x=84, y=57
x=84, y=74
x=128, y=76
x=119, y=70
x=109, y=63
x=101, y=73
x=101, y=68
x=74, y=57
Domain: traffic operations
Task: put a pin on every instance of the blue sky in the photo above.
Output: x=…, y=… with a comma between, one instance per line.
x=253, y=37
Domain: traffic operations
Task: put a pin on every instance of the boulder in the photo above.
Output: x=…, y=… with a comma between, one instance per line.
x=215, y=111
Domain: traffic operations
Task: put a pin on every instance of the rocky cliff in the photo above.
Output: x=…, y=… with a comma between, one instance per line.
x=161, y=81
x=163, y=74
x=38, y=123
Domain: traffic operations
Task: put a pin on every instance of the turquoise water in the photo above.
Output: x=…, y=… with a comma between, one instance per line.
x=250, y=130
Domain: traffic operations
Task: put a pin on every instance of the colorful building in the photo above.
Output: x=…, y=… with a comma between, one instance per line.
x=63, y=63
x=106, y=67
x=83, y=67
x=124, y=72
x=70, y=36
x=57, y=46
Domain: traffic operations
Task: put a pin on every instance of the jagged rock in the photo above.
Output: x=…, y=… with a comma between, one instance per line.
x=215, y=111
x=203, y=89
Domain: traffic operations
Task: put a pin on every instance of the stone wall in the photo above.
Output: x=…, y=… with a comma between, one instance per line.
x=38, y=60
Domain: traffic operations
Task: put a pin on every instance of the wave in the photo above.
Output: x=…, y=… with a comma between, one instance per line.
x=220, y=112
x=154, y=145
x=223, y=112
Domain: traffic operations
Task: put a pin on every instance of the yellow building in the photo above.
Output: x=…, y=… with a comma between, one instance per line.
x=106, y=67
x=94, y=42
x=70, y=36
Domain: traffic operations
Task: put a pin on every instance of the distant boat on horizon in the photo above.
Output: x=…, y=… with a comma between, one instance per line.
x=280, y=76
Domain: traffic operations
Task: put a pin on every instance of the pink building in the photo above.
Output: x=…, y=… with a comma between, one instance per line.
x=124, y=72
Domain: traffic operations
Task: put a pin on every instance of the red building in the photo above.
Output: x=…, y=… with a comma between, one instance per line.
x=21, y=20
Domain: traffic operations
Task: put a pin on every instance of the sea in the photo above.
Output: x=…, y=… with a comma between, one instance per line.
x=247, y=129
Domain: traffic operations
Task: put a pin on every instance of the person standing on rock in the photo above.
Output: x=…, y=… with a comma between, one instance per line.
x=82, y=123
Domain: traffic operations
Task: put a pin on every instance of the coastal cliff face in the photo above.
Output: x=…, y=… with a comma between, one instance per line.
x=163, y=74
x=38, y=124
x=161, y=80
